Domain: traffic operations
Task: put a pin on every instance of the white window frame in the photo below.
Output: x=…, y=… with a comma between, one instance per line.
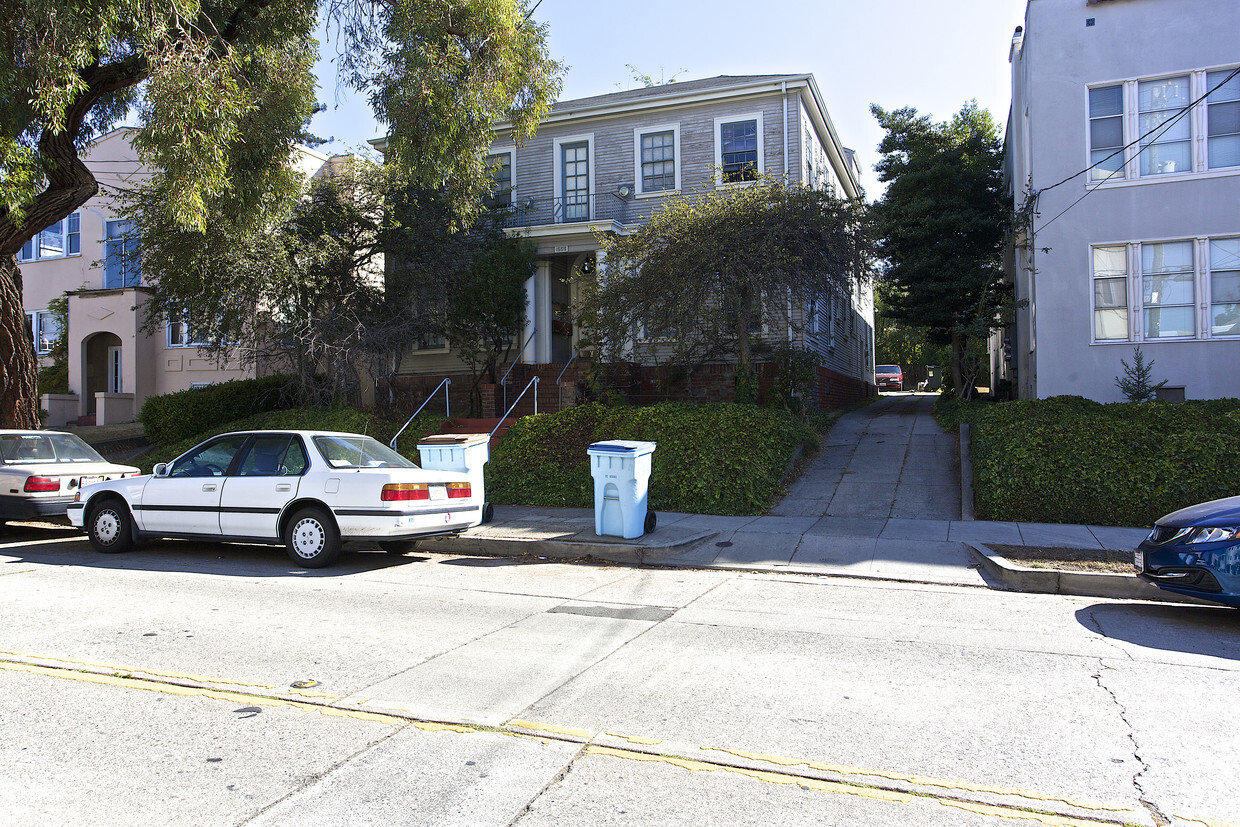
x=36, y=249
x=557, y=167
x=719, y=122
x=38, y=330
x=185, y=335
x=674, y=128
x=1130, y=172
x=1203, y=300
x=511, y=151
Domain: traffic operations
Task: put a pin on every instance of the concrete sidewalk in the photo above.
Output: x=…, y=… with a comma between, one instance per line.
x=913, y=550
x=880, y=500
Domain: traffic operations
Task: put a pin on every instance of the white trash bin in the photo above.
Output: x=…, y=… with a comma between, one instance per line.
x=467, y=453
x=621, y=471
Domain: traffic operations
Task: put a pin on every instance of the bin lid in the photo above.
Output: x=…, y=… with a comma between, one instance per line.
x=445, y=440
x=621, y=446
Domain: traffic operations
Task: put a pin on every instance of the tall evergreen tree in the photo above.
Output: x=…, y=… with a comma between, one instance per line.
x=941, y=224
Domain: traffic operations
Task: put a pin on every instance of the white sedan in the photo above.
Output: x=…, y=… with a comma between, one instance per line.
x=41, y=471
x=307, y=490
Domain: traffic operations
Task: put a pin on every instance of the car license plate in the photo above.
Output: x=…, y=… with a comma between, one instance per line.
x=89, y=481
x=439, y=492
x=1138, y=560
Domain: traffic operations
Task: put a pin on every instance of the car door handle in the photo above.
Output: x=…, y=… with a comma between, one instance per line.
x=208, y=486
x=284, y=486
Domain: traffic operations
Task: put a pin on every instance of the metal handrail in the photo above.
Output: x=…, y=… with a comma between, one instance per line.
x=503, y=383
x=559, y=388
x=515, y=402
x=447, y=409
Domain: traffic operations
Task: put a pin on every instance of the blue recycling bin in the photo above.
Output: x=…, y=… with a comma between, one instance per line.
x=621, y=471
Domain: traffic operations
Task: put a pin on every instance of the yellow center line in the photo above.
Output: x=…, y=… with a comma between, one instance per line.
x=920, y=780
x=188, y=676
x=526, y=728
x=199, y=692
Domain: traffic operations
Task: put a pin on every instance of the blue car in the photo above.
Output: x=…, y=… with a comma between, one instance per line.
x=1195, y=551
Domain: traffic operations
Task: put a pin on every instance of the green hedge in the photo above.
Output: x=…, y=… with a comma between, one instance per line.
x=339, y=418
x=174, y=417
x=711, y=459
x=1072, y=460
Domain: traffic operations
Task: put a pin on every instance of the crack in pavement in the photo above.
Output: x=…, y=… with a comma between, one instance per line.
x=1160, y=818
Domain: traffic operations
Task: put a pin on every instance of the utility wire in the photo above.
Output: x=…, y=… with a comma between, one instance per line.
x=1163, y=126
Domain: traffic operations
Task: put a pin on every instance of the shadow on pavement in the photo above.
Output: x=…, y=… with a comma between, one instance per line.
x=69, y=547
x=1173, y=627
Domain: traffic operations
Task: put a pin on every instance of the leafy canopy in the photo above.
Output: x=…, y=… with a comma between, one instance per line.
x=710, y=268
x=941, y=224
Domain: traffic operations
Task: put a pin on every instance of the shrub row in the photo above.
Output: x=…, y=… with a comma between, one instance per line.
x=174, y=417
x=1072, y=460
x=711, y=459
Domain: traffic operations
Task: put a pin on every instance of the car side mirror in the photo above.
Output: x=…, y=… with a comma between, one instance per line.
x=161, y=469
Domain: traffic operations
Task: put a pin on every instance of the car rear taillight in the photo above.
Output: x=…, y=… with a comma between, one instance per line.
x=397, y=491
x=38, y=485
x=459, y=490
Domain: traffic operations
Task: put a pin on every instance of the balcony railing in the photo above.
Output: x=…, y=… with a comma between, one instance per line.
x=571, y=209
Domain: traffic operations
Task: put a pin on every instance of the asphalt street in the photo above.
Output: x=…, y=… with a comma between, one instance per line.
x=200, y=684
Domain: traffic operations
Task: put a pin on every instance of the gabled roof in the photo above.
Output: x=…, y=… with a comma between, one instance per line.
x=669, y=90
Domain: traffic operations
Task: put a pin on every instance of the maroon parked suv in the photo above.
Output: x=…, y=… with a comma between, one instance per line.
x=889, y=377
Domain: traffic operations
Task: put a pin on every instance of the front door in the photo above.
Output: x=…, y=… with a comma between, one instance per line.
x=264, y=482
x=575, y=164
x=187, y=500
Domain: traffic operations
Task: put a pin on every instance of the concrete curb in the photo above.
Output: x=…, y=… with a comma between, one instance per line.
x=1078, y=583
x=612, y=549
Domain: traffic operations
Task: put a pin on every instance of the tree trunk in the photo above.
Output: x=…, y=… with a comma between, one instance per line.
x=19, y=405
x=964, y=389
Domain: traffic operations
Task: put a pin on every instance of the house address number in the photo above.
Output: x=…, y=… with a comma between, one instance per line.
x=561, y=249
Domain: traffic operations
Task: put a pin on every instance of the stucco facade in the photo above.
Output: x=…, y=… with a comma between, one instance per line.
x=114, y=365
x=1124, y=135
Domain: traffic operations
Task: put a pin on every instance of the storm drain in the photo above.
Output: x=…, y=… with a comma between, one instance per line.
x=651, y=614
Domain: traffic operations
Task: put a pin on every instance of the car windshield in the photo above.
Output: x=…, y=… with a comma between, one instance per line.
x=50, y=447
x=887, y=369
x=355, y=451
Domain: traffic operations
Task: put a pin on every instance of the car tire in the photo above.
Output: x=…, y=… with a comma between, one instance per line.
x=312, y=539
x=398, y=546
x=110, y=527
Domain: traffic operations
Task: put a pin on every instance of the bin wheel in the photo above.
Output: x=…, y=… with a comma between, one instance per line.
x=651, y=520
x=488, y=513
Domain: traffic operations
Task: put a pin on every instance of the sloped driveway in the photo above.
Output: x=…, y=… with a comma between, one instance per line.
x=887, y=460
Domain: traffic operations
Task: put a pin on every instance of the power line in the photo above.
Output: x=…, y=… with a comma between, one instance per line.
x=1156, y=132
x=1140, y=138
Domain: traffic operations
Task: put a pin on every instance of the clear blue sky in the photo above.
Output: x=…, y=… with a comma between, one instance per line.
x=933, y=55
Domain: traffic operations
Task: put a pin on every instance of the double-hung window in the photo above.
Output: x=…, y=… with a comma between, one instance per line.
x=64, y=238
x=1110, y=293
x=1177, y=289
x=1223, y=119
x=501, y=174
x=1167, y=290
x=1166, y=135
x=1183, y=124
x=1106, y=132
x=657, y=150
x=181, y=335
x=120, y=264
x=1224, y=287
x=44, y=330
x=738, y=148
